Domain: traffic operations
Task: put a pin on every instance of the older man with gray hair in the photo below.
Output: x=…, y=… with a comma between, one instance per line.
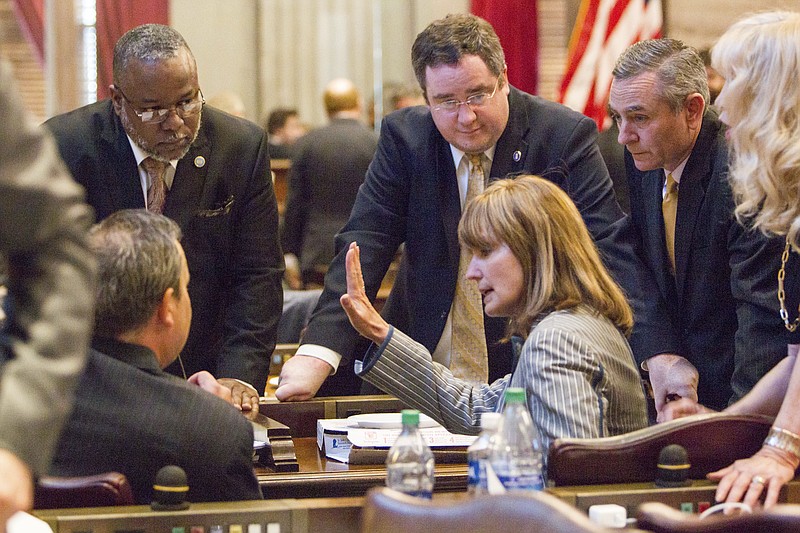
x=714, y=278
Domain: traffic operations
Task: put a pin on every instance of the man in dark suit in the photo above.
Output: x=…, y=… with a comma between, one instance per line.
x=130, y=416
x=328, y=166
x=414, y=191
x=723, y=330
x=214, y=172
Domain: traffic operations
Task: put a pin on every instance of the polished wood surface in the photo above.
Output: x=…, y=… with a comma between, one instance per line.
x=712, y=441
x=301, y=417
x=321, y=477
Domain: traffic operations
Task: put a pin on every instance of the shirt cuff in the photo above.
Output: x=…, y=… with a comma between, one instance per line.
x=320, y=352
x=246, y=384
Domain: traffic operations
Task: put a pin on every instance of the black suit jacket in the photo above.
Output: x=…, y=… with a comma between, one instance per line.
x=410, y=195
x=223, y=200
x=722, y=303
x=328, y=166
x=131, y=417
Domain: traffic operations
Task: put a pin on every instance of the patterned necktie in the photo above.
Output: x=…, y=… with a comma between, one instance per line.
x=669, y=207
x=157, y=191
x=469, y=360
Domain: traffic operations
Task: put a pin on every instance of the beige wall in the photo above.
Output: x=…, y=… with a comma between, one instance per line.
x=700, y=23
x=282, y=52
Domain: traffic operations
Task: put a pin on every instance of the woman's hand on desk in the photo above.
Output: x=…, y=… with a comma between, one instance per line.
x=363, y=316
x=745, y=480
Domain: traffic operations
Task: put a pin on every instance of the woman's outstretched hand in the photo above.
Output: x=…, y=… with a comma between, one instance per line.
x=363, y=316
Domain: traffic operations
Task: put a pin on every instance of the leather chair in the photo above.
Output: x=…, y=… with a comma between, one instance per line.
x=661, y=518
x=101, y=490
x=389, y=511
x=712, y=441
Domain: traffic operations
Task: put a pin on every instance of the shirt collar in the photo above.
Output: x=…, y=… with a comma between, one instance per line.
x=141, y=155
x=458, y=155
x=678, y=172
x=132, y=354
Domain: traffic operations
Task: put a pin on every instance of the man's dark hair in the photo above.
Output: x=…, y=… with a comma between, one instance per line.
x=446, y=41
x=278, y=117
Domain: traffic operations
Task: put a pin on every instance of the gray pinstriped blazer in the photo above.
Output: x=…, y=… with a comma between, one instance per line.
x=577, y=369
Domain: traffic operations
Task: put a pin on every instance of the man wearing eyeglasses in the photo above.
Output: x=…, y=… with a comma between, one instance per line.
x=155, y=145
x=414, y=192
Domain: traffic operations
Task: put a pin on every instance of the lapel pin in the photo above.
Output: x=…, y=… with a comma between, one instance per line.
x=199, y=161
x=516, y=156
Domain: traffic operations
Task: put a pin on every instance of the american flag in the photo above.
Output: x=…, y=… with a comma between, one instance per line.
x=604, y=29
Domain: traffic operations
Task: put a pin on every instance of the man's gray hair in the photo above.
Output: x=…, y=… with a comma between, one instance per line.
x=138, y=260
x=678, y=68
x=149, y=42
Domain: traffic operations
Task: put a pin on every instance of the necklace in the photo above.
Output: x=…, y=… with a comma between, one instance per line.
x=782, y=294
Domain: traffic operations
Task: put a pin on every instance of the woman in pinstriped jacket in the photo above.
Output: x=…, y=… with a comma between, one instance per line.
x=533, y=261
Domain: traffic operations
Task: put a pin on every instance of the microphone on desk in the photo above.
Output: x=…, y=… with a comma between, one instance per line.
x=170, y=489
x=673, y=467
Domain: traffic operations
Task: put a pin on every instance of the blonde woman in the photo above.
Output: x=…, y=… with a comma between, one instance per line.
x=534, y=262
x=759, y=57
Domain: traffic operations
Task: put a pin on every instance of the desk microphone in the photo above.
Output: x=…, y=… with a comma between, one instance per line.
x=673, y=467
x=170, y=489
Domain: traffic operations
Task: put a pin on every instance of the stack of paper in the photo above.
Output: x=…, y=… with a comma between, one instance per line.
x=344, y=440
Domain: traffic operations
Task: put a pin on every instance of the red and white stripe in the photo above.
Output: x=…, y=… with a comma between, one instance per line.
x=603, y=30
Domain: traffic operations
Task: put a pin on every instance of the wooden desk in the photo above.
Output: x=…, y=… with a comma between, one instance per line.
x=320, y=477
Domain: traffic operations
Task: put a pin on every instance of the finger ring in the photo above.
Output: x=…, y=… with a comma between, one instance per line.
x=758, y=480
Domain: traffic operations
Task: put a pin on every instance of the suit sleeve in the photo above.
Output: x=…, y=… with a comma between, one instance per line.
x=297, y=205
x=761, y=337
x=562, y=372
x=51, y=284
x=255, y=298
x=403, y=368
x=377, y=223
x=591, y=189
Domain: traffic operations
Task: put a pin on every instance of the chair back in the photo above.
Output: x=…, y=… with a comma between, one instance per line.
x=661, y=518
x=101, y=490
x=389, y=511
x=712, y=441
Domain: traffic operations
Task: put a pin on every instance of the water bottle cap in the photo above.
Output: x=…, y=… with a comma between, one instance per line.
x=410, y=417
x=490, y=420
x=515, y=395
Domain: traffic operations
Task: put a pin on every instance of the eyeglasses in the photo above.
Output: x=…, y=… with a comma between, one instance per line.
x=476, y=100
x=184, y=109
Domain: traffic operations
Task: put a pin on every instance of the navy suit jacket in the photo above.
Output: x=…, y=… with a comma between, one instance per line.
x=223, y=200
x=410, y=195
x=722, y=300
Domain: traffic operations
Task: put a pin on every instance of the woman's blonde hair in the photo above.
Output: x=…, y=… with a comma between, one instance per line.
x=759, y=57
x=543, y=229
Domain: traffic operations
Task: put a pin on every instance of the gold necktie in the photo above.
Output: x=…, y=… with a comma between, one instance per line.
x=469, y=360
x=157, y=191
x=669, y=208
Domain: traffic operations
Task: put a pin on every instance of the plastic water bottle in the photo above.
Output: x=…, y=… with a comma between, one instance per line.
x=516, y=453
x=478, y=454
x=409, y=465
